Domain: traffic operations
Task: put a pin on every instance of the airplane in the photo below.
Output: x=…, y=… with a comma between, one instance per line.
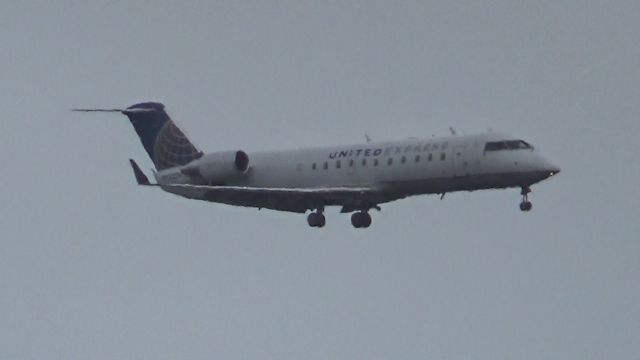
x=358, y=178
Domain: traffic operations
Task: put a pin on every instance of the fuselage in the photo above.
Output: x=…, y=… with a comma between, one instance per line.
x=396, y=169
x=356, y=177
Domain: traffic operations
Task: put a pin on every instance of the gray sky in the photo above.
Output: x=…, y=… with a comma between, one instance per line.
x=92, y=266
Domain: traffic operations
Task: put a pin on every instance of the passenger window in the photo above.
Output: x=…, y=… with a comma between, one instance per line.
x=338, y=164
x=430, y=157
x=326, y=165
x=351, y=162
x=375, y=162
x=443, y=156
x=390, y=161
x=403, y=160
x=364, y=162
x=417, y=158
x=313, y=166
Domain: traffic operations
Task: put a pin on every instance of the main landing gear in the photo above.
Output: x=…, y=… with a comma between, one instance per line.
x=361, y=219
x=525, y=205
x=317, y=219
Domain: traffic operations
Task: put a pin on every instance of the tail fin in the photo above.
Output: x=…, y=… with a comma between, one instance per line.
x=165, y=143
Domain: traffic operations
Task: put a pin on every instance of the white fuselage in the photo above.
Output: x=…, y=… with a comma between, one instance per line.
x=396, y=169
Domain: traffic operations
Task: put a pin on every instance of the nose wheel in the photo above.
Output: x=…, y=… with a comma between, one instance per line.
x=316, y=219
x=361, y=219
x=525, y=205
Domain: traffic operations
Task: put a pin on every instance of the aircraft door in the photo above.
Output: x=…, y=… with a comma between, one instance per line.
x=460, y=162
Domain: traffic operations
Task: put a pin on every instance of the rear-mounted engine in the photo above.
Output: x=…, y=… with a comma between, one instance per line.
x=218, y=168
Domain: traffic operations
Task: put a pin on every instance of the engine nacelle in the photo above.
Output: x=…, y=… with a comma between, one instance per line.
x=217, y=168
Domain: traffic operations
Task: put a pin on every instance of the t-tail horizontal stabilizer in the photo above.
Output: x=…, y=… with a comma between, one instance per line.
x=122, y=111
x=141, y=178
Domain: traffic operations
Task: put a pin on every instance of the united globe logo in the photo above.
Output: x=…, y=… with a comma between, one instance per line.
x=172, y=148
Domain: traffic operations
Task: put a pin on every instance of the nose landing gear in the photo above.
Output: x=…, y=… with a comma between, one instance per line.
x=525, y=205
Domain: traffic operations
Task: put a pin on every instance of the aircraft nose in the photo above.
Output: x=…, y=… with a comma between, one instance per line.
x=546, y=167
x=552, y=170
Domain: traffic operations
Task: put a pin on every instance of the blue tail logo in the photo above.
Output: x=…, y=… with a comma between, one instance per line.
x=165, y=143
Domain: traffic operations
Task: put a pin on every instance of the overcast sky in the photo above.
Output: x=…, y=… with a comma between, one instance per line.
x=92, y=266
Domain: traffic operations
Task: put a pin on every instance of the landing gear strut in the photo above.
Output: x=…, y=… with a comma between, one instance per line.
x=361, y=219
x=525, y=205
x=316, y=219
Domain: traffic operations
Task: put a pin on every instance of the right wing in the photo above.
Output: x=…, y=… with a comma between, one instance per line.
x=285, y=199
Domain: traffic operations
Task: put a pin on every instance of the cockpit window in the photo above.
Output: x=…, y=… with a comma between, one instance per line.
x=495, y=146
x=507, y=145
x=518, y=144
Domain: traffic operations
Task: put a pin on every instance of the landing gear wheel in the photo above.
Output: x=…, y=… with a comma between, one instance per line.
x=316, y=219
x=361, y=219
x=525, y=205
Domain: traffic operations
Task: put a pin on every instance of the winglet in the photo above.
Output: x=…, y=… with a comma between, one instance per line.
x=141, y=178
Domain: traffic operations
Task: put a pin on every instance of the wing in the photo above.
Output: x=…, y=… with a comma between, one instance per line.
x=284, y=199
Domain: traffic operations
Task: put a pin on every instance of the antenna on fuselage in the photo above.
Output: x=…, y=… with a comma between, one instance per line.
x=453, y=131
x=366, y=136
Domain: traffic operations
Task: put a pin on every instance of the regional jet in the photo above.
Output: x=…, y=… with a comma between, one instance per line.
x=357, y=178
